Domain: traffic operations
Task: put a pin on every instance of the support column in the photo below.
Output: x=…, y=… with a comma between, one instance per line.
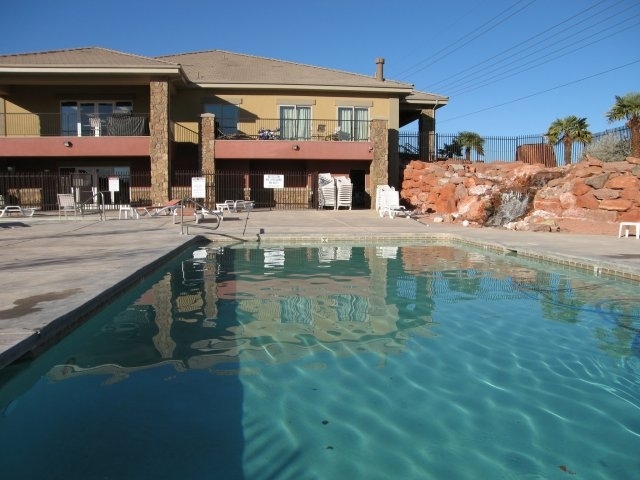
x=207, y=142
x=159, y=142
x=207, y=154
x=426, y=134
x=379, y=171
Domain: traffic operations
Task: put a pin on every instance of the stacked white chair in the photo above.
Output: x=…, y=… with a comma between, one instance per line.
x=326, y=191
x=345, y=192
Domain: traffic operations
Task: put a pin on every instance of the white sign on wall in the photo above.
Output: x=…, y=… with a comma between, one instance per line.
x=114, y=184
x=274, y=181
x=198, y=187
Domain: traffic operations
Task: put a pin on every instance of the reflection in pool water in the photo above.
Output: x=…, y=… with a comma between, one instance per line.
x=338, y=362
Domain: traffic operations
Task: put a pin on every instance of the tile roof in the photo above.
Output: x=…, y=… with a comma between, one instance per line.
x=82, y=57
x=222, y=67
x=215, y=67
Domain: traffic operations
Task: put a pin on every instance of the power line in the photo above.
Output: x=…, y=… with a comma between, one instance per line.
x=415, y=69
x=545, y=59
x=573, y=82
x=467, y=72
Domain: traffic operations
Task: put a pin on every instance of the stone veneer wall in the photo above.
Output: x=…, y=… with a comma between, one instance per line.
x=207, y=142
x=159, y=141
x=207, y=152
x=379, y=173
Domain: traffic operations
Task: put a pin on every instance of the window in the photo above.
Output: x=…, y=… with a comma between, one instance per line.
x=76, y=117
x=353, y=123
x=226, y=117
x=295, y=122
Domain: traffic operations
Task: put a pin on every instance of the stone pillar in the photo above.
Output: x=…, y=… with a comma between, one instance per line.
x=207, y=142
x=379, y=172
x=426, y=134
x=159, y=142
x=207, y=154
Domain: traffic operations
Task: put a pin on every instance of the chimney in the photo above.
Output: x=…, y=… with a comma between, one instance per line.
x=380, y=69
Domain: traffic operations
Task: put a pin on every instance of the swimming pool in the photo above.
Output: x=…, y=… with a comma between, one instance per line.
x=335, y=362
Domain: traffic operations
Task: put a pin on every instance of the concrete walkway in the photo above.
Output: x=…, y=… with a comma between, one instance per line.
x=56, y=272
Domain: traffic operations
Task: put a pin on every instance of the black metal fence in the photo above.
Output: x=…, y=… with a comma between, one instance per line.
x=39, y=190
x=441, y=146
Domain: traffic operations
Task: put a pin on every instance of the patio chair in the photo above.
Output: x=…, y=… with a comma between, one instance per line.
x=380, y=195
x=9, y=209
x=204, y=213
x=344, y=196
x=328, y=196
x=159, y=210
x=67, y=203
x=390, y=204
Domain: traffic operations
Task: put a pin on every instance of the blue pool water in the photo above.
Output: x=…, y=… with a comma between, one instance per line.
x=340, y=362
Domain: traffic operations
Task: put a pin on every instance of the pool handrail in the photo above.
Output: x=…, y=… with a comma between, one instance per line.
x=204, y=211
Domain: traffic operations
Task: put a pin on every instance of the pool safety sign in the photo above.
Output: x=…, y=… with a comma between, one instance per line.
x=114, y=184
x=198, y=187
x=274, y=181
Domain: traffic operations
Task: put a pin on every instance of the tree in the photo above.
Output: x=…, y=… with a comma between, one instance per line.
x=628, y=108
x=451, y=150
x=470, y=141
x=567, y=131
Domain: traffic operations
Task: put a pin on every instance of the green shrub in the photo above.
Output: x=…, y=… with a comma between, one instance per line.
x=609, y=148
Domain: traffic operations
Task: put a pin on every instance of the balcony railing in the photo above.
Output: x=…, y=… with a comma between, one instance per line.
x=57, y=125
x=137, y=124
x=297, y=129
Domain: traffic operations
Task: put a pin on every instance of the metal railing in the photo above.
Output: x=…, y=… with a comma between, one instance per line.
x=297, y=129
x=39, y=190
x=188, y=202
x=58, y=125
x=137, y=124
x=430, y=147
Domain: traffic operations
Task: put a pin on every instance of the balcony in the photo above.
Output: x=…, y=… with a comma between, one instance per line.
x=114, y=135
x=54, y=135
x=56, y=125
x=282, y=129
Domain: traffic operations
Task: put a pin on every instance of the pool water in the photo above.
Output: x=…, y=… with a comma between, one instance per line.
x=338, y=362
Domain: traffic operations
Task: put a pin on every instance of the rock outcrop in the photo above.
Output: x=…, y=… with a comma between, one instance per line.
x=537, y=197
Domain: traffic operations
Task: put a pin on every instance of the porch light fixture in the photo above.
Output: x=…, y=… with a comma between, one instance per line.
x=296, y=147
x=68, y=144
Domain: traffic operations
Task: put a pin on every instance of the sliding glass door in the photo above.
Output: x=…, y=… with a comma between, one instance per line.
x=295, y=122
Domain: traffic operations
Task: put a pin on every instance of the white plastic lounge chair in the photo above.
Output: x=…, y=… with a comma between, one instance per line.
x=626, y=226
x=345, y=194
x=9, y=209
x=159, y=210
x=67, y=203
x=235, y=206
x=203, y=213
x=240, y=205
x=328, y=196
x=380, y=197
x=391, y=204
x=184, y=211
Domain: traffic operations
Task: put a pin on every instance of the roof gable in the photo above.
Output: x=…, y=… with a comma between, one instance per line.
x=222, y=67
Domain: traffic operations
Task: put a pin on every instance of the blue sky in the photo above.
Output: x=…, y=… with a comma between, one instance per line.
x=510, y=67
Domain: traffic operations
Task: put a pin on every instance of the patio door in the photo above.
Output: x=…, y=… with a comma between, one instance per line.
x=88, y=117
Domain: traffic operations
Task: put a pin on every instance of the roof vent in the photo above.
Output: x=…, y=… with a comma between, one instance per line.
x=380, y=69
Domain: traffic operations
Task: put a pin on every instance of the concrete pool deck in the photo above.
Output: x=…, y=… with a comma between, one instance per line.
x=57, y=271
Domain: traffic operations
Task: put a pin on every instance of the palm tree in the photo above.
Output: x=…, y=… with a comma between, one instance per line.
x=628, y=108
x=470, y=141
x=567, y=131
x=451, y=150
